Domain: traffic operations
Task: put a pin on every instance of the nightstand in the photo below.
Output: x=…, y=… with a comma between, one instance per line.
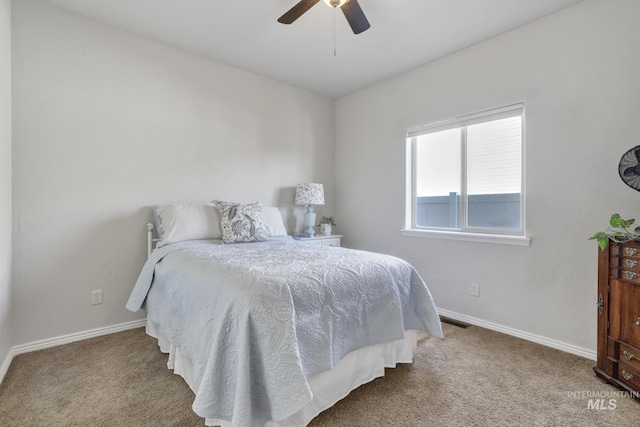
x=332, y=240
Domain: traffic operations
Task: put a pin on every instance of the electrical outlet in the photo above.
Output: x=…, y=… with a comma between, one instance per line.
x=475, y=290
x=96, y=297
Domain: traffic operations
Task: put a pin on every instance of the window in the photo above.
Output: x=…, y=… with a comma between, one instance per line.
x=465, y=177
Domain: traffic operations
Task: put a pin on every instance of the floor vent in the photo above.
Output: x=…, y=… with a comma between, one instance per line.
x=454, y=322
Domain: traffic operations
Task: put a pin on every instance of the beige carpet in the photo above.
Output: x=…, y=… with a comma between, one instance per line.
x=474, y=377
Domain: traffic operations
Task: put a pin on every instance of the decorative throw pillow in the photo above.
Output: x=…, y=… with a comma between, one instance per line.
x=241, y=223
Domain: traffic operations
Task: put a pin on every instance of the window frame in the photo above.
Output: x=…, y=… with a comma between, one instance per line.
x=464, y=232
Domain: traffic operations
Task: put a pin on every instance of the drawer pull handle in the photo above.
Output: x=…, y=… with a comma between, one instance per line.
x=631, y=262
x=630, y=251
x=638, y=321
x=630, y=275
x=627, y=376
x=628, y=356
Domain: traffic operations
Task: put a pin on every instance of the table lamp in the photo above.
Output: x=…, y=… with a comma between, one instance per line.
x=309, y=194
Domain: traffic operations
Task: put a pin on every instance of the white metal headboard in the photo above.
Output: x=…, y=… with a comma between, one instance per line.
x=150, y=239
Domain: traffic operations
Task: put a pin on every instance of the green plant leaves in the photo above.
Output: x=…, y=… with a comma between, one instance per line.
x=617, y=222
x=619, y=231
x=602, y=239
x=327, y=220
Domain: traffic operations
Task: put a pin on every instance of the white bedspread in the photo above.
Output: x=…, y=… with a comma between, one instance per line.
x=258, y=320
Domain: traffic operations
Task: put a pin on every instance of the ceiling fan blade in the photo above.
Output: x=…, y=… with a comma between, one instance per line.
x=297, y=11
x=355, y=16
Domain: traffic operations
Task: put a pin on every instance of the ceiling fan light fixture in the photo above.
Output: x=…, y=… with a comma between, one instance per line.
x=335, y=3
x=351, y=9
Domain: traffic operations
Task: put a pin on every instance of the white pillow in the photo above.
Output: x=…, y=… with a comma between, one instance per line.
x=187, y=221
x=272, y=222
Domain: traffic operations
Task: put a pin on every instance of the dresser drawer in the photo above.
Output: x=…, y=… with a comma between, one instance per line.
x=629, y=376
x=631, y=250
x=630, y=264
x=625, y=263
x=623, y=352
x=630, y=356
x=331, y=242
x=625, y=268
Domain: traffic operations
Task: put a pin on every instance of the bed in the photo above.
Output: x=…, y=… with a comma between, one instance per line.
x=268, y=330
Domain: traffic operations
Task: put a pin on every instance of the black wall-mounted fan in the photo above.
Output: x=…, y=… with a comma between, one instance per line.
x=629, y=168
x=350, y=8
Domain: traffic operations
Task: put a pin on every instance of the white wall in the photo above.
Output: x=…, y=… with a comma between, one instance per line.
x=5, y=181
x=577, y=71
x=107, y=124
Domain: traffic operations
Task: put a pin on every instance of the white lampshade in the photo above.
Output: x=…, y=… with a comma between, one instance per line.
x=309, y=194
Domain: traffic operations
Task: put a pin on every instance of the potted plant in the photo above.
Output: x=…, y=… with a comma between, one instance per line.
x=326, y=224
x=619, y=230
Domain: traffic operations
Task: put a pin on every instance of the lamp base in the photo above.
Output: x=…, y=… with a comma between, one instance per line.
x=310, y=221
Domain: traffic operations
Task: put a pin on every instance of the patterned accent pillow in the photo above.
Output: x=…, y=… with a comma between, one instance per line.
x=241, y=223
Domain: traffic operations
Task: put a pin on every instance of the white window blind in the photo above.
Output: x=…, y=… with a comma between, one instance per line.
x=465, y=174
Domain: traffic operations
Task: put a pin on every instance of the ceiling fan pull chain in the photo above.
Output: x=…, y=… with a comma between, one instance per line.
x=334, y=31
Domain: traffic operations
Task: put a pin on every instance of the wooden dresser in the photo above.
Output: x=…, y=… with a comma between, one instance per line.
x=619, y=315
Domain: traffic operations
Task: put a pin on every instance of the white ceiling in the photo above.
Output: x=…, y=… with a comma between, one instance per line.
x=404, y=34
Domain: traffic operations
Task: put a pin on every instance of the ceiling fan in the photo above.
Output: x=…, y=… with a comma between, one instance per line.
x=350, y=8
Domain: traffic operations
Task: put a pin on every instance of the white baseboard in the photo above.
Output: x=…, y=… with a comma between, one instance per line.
x=5, y=365
x=66, y=339
x=558, y=345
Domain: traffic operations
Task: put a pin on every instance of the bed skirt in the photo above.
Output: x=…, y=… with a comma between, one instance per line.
x=356, y=368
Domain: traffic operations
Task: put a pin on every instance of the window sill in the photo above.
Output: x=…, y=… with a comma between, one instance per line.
x=499, y=239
